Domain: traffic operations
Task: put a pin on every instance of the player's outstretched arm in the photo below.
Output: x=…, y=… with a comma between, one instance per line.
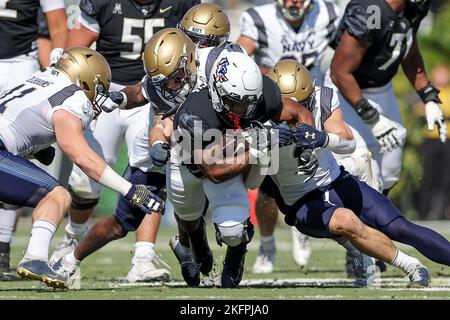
x=71, y=140
x=340, y=136
x=57, y=27
x=128, y=98
x=293, y=113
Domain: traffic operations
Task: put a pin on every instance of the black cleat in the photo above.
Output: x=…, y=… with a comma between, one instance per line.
x=233, y=266
x=189, y=269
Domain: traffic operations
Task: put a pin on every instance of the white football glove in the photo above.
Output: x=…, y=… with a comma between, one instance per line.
x=386, y=134
x=55, y=54
x=434, y=115
x=115, y=100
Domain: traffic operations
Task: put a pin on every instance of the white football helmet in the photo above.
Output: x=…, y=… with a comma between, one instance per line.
x=235, y=85
x=293, y=13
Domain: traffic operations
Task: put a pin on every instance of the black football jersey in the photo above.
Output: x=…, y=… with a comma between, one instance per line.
x=199, y=104
x=390, y=37
x=125, y=28
x=18, y=27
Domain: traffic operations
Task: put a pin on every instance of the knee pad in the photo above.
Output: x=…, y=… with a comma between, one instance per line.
x=233, y=233
x=82, y=186
x=81, y=203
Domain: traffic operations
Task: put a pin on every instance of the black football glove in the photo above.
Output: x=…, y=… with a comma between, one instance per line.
x=141, y=196
x=159, y=153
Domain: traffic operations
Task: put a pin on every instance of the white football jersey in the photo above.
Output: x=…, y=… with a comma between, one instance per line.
x=26, y=111
x=276, y=39
x=292, y=186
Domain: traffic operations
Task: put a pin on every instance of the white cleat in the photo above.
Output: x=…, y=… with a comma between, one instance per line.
x=301, y=247
x=266, y=257
x=143, y=269
x=67, y=245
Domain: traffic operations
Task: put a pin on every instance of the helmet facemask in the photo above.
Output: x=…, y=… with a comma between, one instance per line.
x=100, y=96
x=203, y=40
x=176, y=86
x=293, y=13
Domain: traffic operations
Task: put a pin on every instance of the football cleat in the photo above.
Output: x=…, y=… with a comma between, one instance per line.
x=189, y=269
x=301, y=247
x=365, y=270
x=233, y=266
x=144, y=268
x=265, y=260
x=66, y=271
x=40, y=270
x=419, y=277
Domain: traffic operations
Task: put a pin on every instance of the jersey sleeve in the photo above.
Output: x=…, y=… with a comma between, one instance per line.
x=334, y=20
x=329, y=101
x=78, y=105
x=355, y=22
x=272, y=97
x=49, y=5
x=248, y=27
x=89, y=22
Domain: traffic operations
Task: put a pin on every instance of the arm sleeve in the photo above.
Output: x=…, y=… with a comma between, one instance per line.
x=49, y=5
x=355, y=21
x=248, y=27
x=89, y=23
x=79, y=106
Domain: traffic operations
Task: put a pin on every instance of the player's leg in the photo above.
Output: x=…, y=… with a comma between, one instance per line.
x=185, y=193
x=24, y=184
x=267, y=216
x=7, y=222
x=230, y=210
x=146, y=264
x=105, y=138
x=126, y=218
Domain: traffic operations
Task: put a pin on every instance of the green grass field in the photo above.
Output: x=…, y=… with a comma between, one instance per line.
x=323, y=278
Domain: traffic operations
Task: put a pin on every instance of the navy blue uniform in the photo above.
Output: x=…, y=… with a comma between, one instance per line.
x=125, y=28
x=390, y=40
x=22, y=182
x=311, y=214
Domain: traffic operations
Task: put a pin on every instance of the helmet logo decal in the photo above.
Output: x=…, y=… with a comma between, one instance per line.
x=221, y=70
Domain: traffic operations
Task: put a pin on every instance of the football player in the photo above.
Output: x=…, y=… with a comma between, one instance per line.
x=374, y=39
x=237, y=97
x=120, y=29
x=171, y=66
x=331, y=203
x=296, y=83
x=56, y=105
x=300, y=30
x=18, y=61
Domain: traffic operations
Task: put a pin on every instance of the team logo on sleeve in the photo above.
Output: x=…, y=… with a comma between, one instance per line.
x=117, y=8
x=221, y=70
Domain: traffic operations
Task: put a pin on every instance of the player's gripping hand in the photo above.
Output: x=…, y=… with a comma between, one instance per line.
x=142, y=197
x=307, y=136
x=115, y=100
x=160, y=153
x=307, y=163
x=434, y=116
x=382, y=128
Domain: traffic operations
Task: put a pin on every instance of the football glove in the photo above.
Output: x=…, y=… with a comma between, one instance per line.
x=382, y=128
x=309, y=137
x=141, y=196
x=285, y=134
x=115, y=100
x=45, y=156
x=434, y=115
x=55, y=54
x=160, y=153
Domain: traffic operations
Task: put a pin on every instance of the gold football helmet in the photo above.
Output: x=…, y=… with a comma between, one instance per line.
x=206, y=24
x=89, y=70
x=170, y=63
x=294, y=81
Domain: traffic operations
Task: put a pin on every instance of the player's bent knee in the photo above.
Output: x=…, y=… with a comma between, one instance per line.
x=81, y=203
x=345, y=222
x=233, y=233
